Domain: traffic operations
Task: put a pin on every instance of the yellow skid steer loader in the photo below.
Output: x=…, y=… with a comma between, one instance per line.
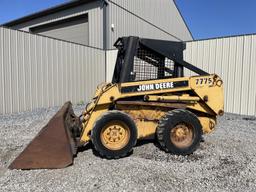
x=149, y=97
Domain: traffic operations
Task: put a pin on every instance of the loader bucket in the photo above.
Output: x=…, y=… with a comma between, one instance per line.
x=54, y=146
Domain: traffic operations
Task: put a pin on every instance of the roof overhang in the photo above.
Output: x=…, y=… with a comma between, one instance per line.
x=48, y=11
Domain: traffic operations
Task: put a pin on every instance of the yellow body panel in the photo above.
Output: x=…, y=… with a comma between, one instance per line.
x=209, y=89
x=206, y=98
x=88, y=125
x=185, y=98
x=146, y=129
x=208, y=124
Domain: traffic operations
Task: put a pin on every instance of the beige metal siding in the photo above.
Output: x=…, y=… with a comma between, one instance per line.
x=96, y=27
x=162, y=14
x=233, y=59
x=110, y=64
x=37, y=71
x=95, y=20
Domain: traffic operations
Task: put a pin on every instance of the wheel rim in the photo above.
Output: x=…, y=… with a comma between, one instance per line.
x=115, y=135
x=182, y=135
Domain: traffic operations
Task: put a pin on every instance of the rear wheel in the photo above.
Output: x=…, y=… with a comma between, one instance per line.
x=114, y=134
x=179, y=132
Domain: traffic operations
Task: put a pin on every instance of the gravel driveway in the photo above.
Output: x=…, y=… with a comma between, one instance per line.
x=224, y=162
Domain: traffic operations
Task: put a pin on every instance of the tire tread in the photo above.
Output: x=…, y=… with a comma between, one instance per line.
x=166, y=120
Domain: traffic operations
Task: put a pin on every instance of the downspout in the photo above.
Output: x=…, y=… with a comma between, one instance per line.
x=104, y=31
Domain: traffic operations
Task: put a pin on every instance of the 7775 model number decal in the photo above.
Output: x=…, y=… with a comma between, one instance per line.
x=204, y=80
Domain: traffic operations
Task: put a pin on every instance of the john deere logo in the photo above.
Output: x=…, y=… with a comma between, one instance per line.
x=156, y=86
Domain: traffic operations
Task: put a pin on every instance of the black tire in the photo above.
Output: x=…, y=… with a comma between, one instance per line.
x=99, y=125
x=170, y=122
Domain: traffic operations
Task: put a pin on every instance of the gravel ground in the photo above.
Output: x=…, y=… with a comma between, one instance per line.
x=224, y=162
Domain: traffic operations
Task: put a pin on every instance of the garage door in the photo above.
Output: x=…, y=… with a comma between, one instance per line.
x=74, y=29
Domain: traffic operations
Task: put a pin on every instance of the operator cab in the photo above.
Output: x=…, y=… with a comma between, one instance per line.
x=141, y=59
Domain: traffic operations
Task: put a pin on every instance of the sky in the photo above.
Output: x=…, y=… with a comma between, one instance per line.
x=13, y=9
x=205, y=18
x=216, y=18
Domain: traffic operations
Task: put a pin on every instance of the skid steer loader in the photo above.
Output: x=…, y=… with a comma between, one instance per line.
x=149, y=97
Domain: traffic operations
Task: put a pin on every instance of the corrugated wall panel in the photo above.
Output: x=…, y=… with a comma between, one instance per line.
x=225, y=61
x=2, y=99
x=111, y=62
x=96, y=27
x=233, y=59
x=252, y=78
x=245, y=71
x=162, y=14
x=38, y=71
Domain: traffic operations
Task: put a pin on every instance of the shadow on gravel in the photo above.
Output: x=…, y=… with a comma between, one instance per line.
x=96, y=153
x=84, y=148
x=152, y=150
x=249, y=118
x=143, y=142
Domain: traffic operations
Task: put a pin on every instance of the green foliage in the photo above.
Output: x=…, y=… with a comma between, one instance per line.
x=80, y=102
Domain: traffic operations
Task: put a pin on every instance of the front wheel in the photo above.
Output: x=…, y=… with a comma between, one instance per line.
x=179, y=132
x=114, y=134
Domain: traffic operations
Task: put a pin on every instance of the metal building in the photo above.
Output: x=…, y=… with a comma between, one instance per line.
x=40, y=71
x=99, y=23
x=61, y=55
x=37, y=71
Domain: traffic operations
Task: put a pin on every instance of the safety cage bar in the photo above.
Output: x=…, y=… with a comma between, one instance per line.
x=146, y=59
